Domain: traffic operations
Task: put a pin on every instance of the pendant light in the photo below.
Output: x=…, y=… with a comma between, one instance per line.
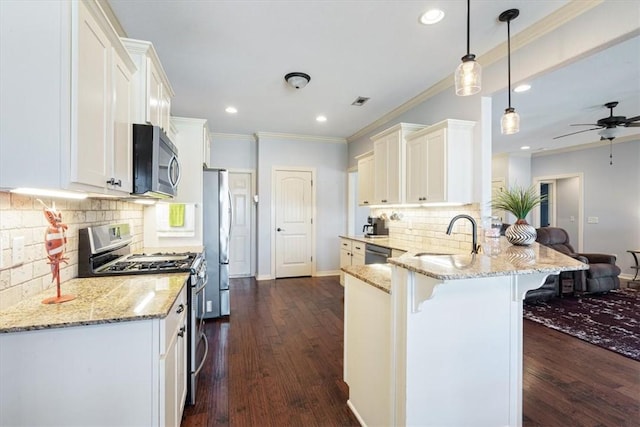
x=468, y=75
x=510, y=120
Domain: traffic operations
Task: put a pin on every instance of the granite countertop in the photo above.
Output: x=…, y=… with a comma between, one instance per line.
x=98, y=300
x=403, y=245
x=497, y=258
x=377, y=275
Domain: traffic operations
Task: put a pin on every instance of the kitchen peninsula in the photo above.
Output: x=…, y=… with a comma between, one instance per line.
x=436, y=340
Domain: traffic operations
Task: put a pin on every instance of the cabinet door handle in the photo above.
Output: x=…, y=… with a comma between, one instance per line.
x=180, y=309
x=181, y=333
x=358, y=247
x=365, y=202
x=113, y=182
x=279, y=229
x=383, y=201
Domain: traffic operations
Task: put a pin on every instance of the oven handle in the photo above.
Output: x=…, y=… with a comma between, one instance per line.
x=206, y=350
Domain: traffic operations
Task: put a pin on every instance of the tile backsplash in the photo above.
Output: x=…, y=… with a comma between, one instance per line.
x=23, y=216
x=427, y=226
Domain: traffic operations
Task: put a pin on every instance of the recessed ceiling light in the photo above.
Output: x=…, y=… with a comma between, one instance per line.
x=231, y=110
x=432, y=16
x=522, y=88
x=525, y=147
x=321, y=119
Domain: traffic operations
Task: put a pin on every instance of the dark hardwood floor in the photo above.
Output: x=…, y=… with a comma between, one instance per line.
x=277, y=361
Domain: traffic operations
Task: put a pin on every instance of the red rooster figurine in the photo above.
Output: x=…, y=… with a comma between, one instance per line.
x=54, y=242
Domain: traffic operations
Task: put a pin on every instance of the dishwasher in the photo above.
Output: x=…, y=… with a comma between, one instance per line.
x=374, y=254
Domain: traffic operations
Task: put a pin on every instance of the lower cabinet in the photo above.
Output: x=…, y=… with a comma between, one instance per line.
x=173, y=363
x=368, y=352
x=122, y=373
x=351, y=253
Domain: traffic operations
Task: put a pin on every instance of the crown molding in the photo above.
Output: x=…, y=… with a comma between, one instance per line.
x=552, y=22
x=308, y=138
x=233, y=136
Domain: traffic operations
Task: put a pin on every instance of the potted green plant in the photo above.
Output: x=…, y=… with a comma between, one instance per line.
x=519, y=202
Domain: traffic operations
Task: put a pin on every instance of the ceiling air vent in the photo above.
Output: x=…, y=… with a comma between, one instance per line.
x=359, y=102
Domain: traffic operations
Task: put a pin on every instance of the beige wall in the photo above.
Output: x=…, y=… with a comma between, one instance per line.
x=427, y=226
x=23, y=216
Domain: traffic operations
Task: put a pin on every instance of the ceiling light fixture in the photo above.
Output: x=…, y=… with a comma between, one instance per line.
x=510, y=123
x=468, y=75
x=231, y=110
x=297, y=80
x=525, y=147
x=522, y=88
x=321, y=119
x=432, y=16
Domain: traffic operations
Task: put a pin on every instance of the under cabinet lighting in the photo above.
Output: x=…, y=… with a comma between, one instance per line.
x=145, y=201
x=60, y=194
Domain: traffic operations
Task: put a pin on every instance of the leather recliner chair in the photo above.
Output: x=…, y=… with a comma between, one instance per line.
x=602, y=275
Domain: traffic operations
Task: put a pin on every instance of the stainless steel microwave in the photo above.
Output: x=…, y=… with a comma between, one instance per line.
x=156, y=170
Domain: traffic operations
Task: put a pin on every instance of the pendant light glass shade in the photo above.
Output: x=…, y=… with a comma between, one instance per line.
x=468, y=76
x=510, y=122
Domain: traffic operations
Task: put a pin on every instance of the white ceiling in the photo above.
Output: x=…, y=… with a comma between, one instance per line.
x=222, y=53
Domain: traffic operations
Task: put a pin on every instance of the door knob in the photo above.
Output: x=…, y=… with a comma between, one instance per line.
x=279, y=229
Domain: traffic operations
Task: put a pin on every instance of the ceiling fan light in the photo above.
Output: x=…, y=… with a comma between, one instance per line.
x=608, y=133
x=510, y=123
x=468, y=76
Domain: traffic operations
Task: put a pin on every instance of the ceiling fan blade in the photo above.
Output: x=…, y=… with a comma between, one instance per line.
x=633, y=119
x=632, y=125
x=573, y=133
x=584, y=124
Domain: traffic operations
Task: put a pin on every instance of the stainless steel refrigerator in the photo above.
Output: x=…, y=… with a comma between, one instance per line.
x=216, y=220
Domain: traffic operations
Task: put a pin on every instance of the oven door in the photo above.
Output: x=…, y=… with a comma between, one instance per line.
x=196, y=354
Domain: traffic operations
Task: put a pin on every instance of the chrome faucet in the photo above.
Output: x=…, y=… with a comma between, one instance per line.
x=474, y=230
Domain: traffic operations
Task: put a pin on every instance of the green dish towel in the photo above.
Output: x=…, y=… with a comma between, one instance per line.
x=176, y=215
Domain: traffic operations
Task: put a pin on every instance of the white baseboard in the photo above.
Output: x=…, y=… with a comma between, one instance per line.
x=327, y=273
x=355, y=412
x=264, y=277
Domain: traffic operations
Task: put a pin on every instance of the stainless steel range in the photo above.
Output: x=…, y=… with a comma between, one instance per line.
x=106, y=251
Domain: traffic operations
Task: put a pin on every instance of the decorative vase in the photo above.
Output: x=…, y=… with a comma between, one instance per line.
x=521, y=234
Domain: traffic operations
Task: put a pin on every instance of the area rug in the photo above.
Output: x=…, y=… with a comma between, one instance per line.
x=610, y=320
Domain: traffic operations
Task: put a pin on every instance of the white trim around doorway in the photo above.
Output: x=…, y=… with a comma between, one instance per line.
x=536, y=212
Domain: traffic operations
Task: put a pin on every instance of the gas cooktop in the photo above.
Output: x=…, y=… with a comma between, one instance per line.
x=152, y=263
x=105, y=250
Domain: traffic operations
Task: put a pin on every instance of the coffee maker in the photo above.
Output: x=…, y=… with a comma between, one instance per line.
x=375, y=227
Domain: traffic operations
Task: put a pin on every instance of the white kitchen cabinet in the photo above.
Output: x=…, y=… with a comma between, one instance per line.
x=389, y=156
x=152, y=90
x=206, y=147
x=439, y=163
x=129, y=373
x=76, y=66
x=351, y=253
x=122, y=128
x=173, y=366
x=190, y=139
x=368, y=351
x=366, y=177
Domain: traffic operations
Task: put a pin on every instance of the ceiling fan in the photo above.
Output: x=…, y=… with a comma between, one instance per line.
x=608, y=125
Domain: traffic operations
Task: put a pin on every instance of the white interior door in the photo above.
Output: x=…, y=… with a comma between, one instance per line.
x=293, y=222
x=240, y=244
